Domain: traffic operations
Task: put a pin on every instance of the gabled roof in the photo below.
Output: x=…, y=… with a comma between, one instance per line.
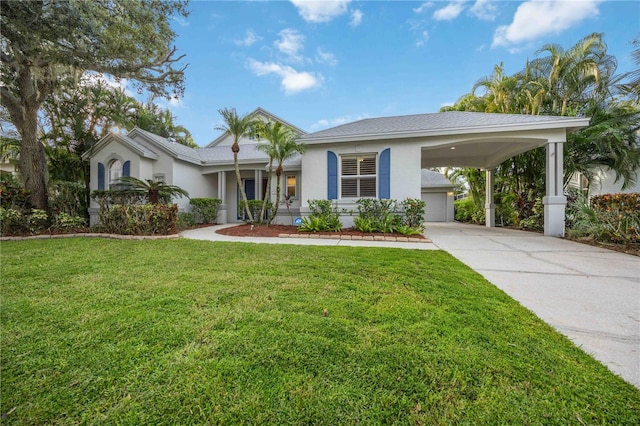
x=248, y=153
x=441, y=123
x=431, y=178
x=257, y=112
x=134, y=145
x=175, y=149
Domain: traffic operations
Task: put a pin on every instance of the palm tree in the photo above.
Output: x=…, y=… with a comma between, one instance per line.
x=272, y=133
x=285, y=149
x=576, y=75
x=154, y=190
x=237, y=126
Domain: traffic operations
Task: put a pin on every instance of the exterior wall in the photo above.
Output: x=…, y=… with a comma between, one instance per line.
x=604, y=183
x=107, y=154
x=284, y=216
x=405, y=174
x=190, y=178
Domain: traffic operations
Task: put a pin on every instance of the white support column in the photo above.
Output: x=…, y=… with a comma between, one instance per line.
x=222, y=194
x=258, y=179
x=555, y=201
x=489, y=206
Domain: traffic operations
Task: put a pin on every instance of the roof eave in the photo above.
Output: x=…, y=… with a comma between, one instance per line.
x=569, y=124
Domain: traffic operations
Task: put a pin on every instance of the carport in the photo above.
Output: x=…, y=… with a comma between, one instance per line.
x=486, y=145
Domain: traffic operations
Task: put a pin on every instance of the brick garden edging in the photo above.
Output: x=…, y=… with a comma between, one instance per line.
x=93, y=235
x=357, y=237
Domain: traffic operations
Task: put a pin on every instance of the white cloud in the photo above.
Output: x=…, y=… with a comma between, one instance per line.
x=249, y=39
x=320, y=10
x=325, y=57
x=181, y=20
x=324, y=123
x=422, y=39
x=291, y=43
x=535, y=19
x=449, y=12
x=486, y=10
x=423, y=7
x=292, y=81
x=356, y=18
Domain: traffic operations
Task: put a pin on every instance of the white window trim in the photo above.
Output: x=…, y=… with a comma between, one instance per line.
x=110, y=180
x=286, y=186
x=354, y=177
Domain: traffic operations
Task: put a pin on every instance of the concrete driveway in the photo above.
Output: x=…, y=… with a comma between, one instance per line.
x=589, y=294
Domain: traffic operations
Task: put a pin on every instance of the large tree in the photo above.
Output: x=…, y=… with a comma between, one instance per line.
x=44, y=41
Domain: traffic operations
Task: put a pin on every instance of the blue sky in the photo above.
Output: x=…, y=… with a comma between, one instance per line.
x=318, y=64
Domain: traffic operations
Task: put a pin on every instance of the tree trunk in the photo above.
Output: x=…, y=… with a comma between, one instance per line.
x=266, y=193
x=277, y=202
x=32, y=163
x=235, y=148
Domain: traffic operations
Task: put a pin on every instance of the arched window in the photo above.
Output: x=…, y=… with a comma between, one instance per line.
x=115, y=172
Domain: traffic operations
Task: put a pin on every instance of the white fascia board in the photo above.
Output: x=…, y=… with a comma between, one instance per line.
x=117, y=138
x=568, y=124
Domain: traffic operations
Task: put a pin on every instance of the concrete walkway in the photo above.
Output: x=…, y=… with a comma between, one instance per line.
x=590, y=295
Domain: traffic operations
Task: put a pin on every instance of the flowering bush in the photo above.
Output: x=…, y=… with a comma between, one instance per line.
x=611, y=218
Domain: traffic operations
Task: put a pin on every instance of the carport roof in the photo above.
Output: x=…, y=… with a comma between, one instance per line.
x=442, y=123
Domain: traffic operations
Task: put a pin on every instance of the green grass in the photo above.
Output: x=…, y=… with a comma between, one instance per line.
x=176, y=331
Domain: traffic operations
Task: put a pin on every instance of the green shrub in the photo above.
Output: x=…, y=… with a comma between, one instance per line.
x=413, y=210
x=12, y=194
x=467, y=211
x=12, y=222
x=37, y=221
x=612, y=218
x=323, y=217
x=408, y=230
x=379, y=215
x=535, y=220
x=145, y=219
x=68, y=197
x=255, y=206
x=111, y=197
x=64, y=222
x=205, y=209
x=186, y=221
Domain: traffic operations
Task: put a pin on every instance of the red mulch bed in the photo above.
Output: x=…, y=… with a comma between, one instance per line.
x=275, y=230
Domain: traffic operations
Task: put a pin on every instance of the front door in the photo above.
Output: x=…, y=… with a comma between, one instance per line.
x=250, y=190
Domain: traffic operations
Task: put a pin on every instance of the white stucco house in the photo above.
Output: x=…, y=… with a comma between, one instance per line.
x=376, y=157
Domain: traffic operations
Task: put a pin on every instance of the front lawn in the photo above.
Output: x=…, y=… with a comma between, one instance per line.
x=176, y=331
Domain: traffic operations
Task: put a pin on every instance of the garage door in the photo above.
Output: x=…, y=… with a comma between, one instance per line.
x=436, y=208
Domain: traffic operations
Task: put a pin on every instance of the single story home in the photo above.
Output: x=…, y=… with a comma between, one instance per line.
x=377, y=157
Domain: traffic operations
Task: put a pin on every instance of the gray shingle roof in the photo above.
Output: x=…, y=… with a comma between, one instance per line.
x=148, y=152
x=181, y=151
x=430, y=122
x=431, y=178
x=248, y=152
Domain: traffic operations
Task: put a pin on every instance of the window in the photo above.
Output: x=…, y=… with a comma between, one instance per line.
x=358, y=176
x=291, y=186
x=115, y=172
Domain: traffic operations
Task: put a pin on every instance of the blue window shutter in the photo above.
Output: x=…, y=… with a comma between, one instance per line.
x=101, y=176
x=384, y=179
x=332, y=176
x=126, y=168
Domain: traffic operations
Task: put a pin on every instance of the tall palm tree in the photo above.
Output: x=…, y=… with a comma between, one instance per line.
x=284, y=150
x=575, y=75
x=273, y=134
x=237, y=126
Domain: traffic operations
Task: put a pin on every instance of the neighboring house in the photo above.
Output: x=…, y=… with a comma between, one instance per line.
x=377, y=157
x=603, y=182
